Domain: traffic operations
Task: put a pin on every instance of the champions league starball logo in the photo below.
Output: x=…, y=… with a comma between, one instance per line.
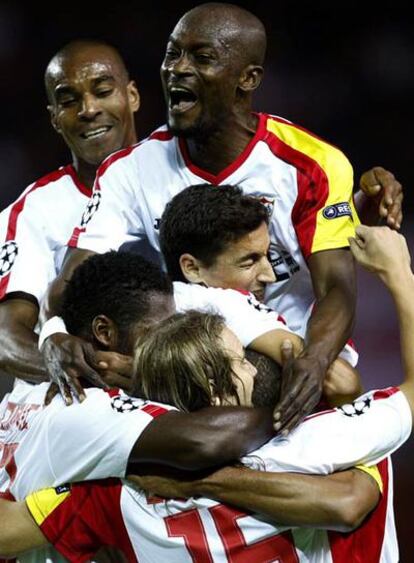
x=8, y=254
x=126, y=404
x=91, y=208
x=357, y=408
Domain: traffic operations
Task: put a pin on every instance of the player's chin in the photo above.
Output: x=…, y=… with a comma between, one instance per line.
x=259, y=294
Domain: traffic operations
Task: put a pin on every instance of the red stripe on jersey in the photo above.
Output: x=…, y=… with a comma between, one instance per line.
x=161, y=136
x=90, y=517
x=112, y=392
x=221, y=176
x=385, y=393
x=73, y=241
x=313, y=189
x=154, y=410
x=113, y=158
x=365, y=543
x=157, y=135
x=18, y=207
x=81, y=187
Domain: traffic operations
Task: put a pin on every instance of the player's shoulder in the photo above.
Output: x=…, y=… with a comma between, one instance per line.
x=293, y=141
x=48, y=189
x=117, y=401
x=157, y=142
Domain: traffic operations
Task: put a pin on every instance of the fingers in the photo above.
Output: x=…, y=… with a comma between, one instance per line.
x=51, y=393
x=369, y=183
x=294, y=416
x=295, y=405
x=286, y=350
x=394, y=212
x=113, y=379
x=76, y=389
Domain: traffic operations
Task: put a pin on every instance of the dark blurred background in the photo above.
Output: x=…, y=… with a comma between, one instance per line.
x=347, y=76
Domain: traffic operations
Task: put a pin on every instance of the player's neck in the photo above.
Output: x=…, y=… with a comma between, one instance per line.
x=217, y=150
x=86, y=172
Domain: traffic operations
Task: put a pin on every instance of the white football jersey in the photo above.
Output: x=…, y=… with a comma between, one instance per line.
x=35, y=229
x=305, y=183
x=42, y=446
x=201, y=530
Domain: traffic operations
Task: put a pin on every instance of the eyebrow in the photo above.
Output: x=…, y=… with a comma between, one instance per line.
x=62, y=89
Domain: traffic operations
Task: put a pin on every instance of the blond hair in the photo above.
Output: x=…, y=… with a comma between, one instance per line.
x=182, y=361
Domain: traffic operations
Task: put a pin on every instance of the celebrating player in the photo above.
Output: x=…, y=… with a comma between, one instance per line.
x=92, y=102
x=213, y=64
x=379, y=250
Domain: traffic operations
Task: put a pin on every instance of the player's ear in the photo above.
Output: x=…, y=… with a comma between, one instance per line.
x=104, y=332
x=133, y=96
x=250, y=78
x=190, y=267
x=53, y=120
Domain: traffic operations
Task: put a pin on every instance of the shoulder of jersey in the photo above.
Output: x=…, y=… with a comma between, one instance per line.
x=283, y=136
x=159, y=135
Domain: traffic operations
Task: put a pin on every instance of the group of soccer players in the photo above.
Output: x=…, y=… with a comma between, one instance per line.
x=226, y=199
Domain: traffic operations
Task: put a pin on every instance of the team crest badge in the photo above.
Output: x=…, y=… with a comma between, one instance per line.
x=91, y=208
x=357, y=408
x=8, y=254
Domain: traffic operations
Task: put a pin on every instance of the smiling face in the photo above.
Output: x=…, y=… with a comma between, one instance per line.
x=200, y=75
x=92, y=102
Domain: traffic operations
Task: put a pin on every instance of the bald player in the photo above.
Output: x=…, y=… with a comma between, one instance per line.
x=91, y=101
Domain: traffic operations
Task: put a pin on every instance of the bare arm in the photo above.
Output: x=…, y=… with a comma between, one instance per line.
x=18, y=531
x=339, y=501
x=19, y=355
x=333, y=278
x=206, y=438
x=385, y=252
x=53, y=297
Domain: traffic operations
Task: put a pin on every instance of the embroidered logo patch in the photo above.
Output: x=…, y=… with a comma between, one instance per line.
x=8, y=254
x=337, y=210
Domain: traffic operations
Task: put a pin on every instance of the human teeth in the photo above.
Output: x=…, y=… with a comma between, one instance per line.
x=95, y=132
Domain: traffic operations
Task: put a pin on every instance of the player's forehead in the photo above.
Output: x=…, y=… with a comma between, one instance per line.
x=256, y=241
x=85, y=65
x=205, y=30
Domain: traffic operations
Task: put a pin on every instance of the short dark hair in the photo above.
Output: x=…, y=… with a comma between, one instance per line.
x=116, y=284
x=203, y=219
x=268, y=380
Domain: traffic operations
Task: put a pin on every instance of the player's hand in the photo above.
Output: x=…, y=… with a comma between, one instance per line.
x=342, y=383
x=387, y=192
x=116, y=370
x=302, y=380
x=67, y=359
x=383, y=251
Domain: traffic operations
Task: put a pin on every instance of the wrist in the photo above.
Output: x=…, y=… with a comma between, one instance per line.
x=51, y=326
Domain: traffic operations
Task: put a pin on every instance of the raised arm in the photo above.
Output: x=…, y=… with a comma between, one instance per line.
x=385, y=253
